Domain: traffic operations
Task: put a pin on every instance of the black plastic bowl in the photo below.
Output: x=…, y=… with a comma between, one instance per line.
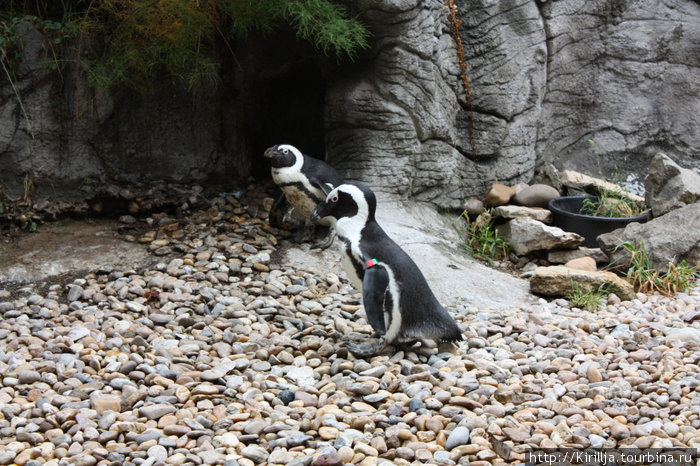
x=565, y=212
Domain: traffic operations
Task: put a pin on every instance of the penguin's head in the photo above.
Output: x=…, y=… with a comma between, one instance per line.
x=284, y=155
x=348, y=201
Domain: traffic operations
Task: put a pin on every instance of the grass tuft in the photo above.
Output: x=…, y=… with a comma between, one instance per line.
x=646, y=279
x=611, y=204
x=481, y=239
x=588, y=298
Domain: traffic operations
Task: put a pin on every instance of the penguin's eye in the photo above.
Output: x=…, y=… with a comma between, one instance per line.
x=285, y=151
x=334, y=198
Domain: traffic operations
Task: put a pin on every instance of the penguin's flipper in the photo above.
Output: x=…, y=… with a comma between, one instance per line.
x=374, y=285
x=366, y=349
x=325, y=187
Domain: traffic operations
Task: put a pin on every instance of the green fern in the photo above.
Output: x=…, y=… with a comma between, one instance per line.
x=324, y=24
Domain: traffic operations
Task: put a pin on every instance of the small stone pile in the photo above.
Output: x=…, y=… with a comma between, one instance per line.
x=218, y=354
x=524, y=221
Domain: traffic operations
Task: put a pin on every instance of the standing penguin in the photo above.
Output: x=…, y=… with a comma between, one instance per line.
x=398, y=302
x=305, y=181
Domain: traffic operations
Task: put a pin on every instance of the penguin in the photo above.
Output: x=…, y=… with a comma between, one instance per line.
x=305, y=181
x=398, y=301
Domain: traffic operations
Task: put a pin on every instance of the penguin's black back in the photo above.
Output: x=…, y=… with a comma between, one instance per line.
x=422, y=314
x=318, y=169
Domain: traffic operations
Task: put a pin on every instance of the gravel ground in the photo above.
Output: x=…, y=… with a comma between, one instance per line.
x=219, y=355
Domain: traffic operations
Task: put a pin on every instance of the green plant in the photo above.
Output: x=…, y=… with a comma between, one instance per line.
x=646, y=279
x=586, y=297
x=481, y=239
x=130, y=42
x=611, y=204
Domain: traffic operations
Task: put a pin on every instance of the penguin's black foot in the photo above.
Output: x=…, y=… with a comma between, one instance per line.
x=325, y=242
x=366, y=349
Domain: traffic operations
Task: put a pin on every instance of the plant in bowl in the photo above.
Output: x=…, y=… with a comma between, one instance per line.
x=611, y=204
x=591, y=216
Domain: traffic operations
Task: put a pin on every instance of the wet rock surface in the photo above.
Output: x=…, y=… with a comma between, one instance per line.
x=218, y=353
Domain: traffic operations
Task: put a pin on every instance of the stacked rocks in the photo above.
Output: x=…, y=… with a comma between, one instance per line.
x=672, y=193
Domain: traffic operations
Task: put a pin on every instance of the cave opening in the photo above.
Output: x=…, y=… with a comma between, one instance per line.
x=288, y=109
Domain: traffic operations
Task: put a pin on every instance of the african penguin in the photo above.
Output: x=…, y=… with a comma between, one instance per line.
x=398, y=302
x=305, y=181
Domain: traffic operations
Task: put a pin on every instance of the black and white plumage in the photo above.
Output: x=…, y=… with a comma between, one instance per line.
x=305, y=181
x=398, y=302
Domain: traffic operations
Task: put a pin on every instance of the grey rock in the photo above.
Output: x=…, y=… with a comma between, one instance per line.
x=536, y=195
x=458, y=436
x=255, y=453
x=75, y=292
x=28, y=376
x=78, y=333
x=527, y=235
x=159, y=453
x=685, y=334
x=473, y=207
x=156, y=411
x=514, y=211
x=212, y=457
x=303, y=376
x=669, y=186
x=670, y=238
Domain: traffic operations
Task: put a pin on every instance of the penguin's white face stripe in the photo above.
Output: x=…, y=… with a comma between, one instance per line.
x=293, y=174
x=351, y=227
x=294, y=169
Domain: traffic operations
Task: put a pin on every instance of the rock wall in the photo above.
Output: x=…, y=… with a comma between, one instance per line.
x=596, y=86
x=77, y=142
x=622, y=84
x=591, y=85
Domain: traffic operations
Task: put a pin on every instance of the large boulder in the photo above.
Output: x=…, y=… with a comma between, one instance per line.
x=669, y=186
x=526, y=235
x=558, y=281
x=670, y=238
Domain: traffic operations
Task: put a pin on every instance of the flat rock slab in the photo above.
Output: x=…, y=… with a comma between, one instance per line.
x=67, y=247
x=427, y=236
x=516, y=211
x=576, y=180
x=557, y=281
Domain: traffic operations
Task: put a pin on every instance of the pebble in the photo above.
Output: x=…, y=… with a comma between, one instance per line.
x=458, y=436
x=217, y=354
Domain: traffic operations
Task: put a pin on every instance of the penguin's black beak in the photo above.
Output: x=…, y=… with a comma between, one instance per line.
x=270, y=152
x=316, y=214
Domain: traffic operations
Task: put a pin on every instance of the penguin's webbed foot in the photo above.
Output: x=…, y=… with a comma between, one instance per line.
x=366, y=349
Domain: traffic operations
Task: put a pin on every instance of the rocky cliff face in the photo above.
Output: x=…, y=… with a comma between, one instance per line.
x=591, y=85
x=596, y=86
